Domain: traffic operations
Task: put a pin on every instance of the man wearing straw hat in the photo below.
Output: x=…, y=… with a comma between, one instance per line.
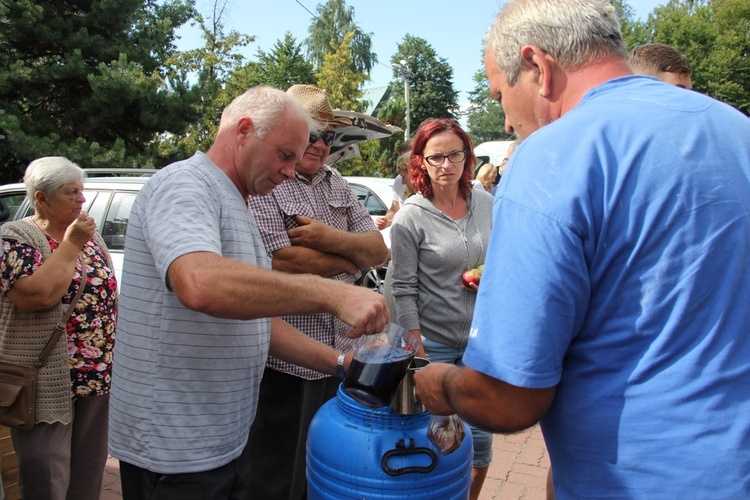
x=312, y=224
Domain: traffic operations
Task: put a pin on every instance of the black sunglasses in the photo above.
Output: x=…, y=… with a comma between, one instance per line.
x=326, y=135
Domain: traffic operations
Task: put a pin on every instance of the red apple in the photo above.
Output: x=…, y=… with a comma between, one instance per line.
x=470, y=277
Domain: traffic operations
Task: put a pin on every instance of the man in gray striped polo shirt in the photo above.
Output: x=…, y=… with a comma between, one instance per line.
x=199, y=304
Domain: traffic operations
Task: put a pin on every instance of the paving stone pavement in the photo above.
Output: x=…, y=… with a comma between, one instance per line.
x=518, y=470
x=519, y=466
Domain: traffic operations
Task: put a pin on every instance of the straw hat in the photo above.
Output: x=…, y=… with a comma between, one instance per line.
x=315, y=101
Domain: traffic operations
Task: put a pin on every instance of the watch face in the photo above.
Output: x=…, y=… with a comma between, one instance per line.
x=340, y=365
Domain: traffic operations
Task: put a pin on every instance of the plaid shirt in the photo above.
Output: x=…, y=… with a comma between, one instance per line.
x=329, y=199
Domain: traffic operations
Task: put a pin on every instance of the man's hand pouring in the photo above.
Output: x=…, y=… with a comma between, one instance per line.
x=364, y=310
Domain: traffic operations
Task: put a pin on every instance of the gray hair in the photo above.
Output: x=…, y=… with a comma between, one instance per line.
x=573, y=32
x=264, y=106
x=51, y=175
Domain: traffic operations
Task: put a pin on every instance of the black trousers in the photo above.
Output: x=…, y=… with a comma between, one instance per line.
x=228, y=482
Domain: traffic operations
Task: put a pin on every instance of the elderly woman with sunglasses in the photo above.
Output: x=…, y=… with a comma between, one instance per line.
x=439, y=233
x=64, y=454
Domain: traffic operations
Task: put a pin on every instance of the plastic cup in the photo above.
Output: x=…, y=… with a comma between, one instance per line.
x=380, y=363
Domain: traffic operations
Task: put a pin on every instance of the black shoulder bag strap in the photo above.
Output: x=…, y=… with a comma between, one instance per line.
x=60, y=328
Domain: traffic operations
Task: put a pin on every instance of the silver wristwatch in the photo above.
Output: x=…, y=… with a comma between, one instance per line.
x=340, y=365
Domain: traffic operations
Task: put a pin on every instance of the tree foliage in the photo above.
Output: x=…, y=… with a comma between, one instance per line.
x=88, y=80
x=342, y=84
x=332, y=23
x=210, y=65
x=431, y=95
x=633, y=31
x=431, y=92
x=338, y=78
x=101, y=81
x=715, y=37
x=486, y=118
x=282, y=67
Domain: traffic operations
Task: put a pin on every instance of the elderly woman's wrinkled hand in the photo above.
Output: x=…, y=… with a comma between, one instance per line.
x=80, y=230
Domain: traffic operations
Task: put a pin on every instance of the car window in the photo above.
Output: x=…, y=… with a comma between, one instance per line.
x=371, y=202
x=96, y=204
x=13, y=201
x=114, y=226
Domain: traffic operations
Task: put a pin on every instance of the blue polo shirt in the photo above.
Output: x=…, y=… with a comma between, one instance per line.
x=618, y=270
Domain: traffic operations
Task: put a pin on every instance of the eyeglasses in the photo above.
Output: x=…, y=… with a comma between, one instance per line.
x=326, y=135
x=454, y=157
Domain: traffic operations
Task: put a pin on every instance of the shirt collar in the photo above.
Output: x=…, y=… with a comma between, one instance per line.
x=323, y=172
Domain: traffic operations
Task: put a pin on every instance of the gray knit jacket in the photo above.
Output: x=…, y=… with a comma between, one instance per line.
x=429, y=252
x=23, y=335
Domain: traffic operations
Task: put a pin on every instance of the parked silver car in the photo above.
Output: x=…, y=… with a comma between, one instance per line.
x=110, y=192
x=376, y=194
x=109, y=200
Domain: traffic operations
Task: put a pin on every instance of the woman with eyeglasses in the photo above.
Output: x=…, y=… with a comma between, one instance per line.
x=438, y=234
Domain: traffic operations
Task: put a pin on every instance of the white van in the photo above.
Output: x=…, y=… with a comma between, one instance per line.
x=491, y=152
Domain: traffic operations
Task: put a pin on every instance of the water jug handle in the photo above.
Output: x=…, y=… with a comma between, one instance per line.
x=401, y=449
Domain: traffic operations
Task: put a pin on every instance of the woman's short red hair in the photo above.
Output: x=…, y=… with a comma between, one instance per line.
x=428, y=129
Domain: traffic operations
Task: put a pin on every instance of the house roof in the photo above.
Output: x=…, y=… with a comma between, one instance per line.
x=373, y=98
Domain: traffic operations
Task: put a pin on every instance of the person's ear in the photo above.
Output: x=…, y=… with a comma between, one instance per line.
x=41, y=198
x=541, y=64
x=245, y=126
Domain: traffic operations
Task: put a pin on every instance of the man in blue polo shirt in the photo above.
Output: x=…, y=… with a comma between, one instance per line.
x=614, y=301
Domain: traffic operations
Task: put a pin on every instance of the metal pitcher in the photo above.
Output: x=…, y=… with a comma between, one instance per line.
x=405, y=400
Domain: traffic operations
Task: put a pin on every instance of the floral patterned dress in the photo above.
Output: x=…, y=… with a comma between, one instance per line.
x=91, y=327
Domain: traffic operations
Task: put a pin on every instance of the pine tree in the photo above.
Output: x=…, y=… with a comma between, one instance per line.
x=88, y=80
x=430, y=80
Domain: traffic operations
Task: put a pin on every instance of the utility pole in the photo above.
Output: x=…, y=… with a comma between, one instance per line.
x=403, y=65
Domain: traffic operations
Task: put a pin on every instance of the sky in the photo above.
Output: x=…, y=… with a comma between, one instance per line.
x=453, y=28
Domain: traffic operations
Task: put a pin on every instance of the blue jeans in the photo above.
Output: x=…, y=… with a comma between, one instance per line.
x=441, y=353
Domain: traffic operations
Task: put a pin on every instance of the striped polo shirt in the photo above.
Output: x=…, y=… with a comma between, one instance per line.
x=185, y=384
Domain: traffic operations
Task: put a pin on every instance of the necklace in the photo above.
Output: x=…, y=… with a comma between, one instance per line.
x=465, y=219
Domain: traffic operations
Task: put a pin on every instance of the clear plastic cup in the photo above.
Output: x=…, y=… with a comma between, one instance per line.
x=380, y=363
